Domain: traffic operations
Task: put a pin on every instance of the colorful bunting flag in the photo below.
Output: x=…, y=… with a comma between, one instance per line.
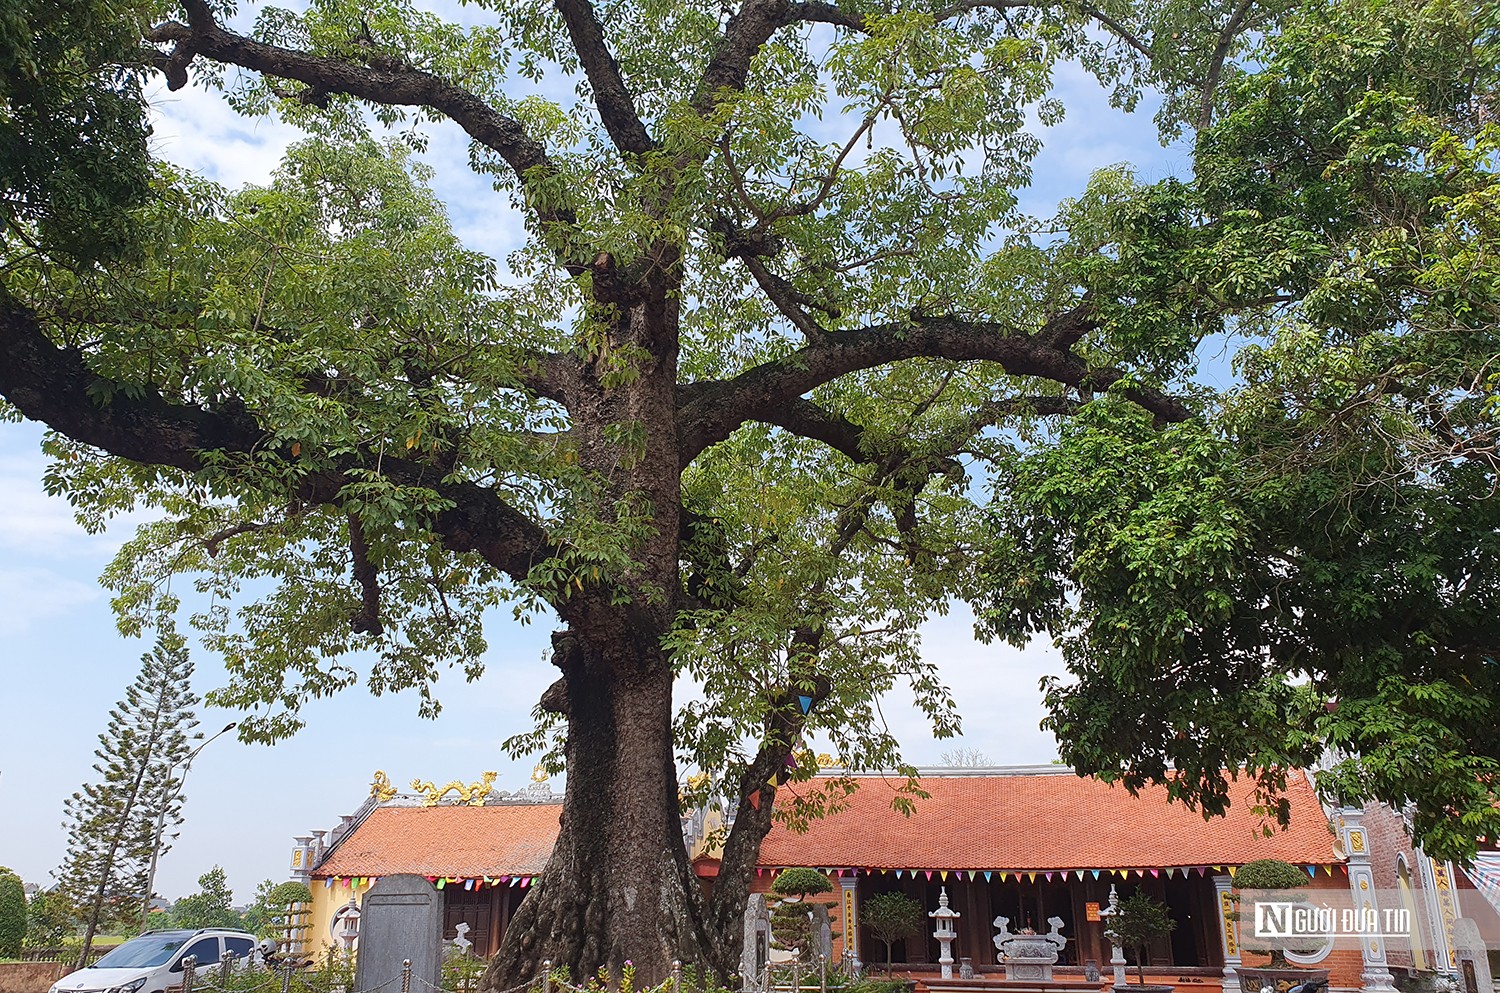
x=1078, y=873
x=1095, y=872
x=929, y=875
x=944, y=875
x=987, y=875
x=1312, y=871
x=1049, y=877
x=1031, y=877
x=806, y=702
x=1155, y=873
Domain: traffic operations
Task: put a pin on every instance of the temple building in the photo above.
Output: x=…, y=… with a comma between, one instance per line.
x=1038, y=846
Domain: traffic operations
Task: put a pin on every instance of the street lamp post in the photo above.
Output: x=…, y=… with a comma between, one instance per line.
x=161, y=820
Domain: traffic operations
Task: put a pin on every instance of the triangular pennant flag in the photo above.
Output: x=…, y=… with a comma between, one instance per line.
x=468, y=884
x=1328, y=869
x=755, y=800
x=806, y=702
x=1095, y=872
x=1004, y=876
x=987, y=875
x=1218, y=868
x=1031, y=877
x=1232, y=871
x=1312, y=871
x=328, y=882
x=525, y=882
x=929, y=875
x=1155, y=873
x=1049, y=877
x=1078, y=873
x=898, y=873
x=442, y=883
x=944, y=874
x=1203, y=870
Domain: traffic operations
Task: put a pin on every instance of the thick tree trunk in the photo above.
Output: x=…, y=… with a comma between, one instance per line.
x=618, y=886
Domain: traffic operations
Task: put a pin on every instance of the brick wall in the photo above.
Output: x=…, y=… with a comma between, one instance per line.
x=30, y=977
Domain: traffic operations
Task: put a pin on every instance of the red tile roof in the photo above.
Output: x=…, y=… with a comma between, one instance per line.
x=502, y=840
x=1044, y=821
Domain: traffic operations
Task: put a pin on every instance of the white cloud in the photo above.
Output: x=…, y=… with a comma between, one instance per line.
x=195, y=128
x=31, y=596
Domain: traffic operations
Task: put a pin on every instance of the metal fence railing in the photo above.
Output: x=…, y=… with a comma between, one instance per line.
x=63, y=954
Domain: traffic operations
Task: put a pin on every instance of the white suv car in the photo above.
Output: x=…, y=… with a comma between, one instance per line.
x=152, y=962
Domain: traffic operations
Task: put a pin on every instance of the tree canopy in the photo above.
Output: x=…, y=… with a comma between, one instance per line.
x=1312, y=564
x=781, y=370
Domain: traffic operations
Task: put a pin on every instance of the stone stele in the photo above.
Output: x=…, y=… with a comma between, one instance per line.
x=400, y=918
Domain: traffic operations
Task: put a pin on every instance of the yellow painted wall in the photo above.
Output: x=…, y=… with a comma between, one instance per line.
x=326, y=901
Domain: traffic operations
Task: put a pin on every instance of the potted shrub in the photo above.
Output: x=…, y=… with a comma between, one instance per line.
x=892, y=917
x=1283, y=880
x=1134, y=925
x=793, y=920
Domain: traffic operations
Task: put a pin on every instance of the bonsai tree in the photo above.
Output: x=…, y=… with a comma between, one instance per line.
x=1136, y=922
x=1283, y=879
x=892, y=917
x=791, y=918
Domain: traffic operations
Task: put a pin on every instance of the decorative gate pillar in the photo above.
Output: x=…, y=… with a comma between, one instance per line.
x=849, y=901
x=1447, y=908
x=1377, y=972
x=1229, y=932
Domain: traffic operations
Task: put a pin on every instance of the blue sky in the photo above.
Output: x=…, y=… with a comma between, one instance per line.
x=64, y=664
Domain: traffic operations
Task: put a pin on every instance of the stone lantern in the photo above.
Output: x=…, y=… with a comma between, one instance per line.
x=1117, y=954
x=944, y=916
x=349, y=925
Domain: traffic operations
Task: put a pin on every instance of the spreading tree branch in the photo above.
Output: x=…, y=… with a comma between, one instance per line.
x=710, y=412
x=55, y=385
x=367, y=619
x=616, y=106
x=385, y=81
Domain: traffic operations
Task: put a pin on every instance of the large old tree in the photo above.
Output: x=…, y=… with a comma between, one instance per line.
x=727, y=414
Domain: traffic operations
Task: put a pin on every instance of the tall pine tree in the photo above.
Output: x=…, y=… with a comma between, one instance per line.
x=113, y=822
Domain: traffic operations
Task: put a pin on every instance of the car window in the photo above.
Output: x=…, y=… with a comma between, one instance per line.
x=240, y=948
x=205, y=950
x=145, y=952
